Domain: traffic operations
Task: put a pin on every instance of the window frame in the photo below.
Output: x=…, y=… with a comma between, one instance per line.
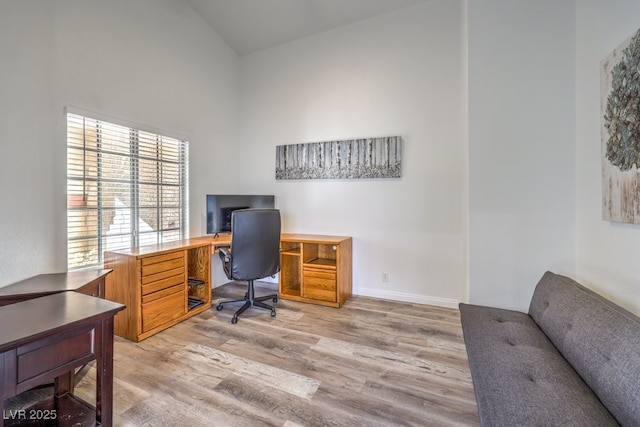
x=142, y=148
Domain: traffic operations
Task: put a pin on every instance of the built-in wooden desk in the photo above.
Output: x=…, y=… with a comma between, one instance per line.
x=164, y=284
x=44, y=339
x=314, y=268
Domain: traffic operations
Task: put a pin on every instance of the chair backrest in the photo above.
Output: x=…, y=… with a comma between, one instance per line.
x=255, y=243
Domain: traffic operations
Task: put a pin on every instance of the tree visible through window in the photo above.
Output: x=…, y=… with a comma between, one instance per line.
x=125, y=187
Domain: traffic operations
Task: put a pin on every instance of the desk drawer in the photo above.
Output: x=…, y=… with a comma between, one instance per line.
x=319, y=284
x=163, y=307
x=149, y=298
x=51, y=353
x=163, y=280
x=160, y=263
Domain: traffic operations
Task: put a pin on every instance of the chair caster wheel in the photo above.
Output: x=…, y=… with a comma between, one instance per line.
x=273, y=313
x=234, y=320
x=219, y=307
x=275, y=299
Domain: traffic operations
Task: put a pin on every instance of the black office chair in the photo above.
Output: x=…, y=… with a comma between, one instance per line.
x=254, y=254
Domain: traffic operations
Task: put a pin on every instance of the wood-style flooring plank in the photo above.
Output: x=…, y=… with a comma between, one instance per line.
x=372, y=363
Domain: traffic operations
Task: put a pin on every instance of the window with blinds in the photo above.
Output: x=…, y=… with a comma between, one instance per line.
x=125, y=187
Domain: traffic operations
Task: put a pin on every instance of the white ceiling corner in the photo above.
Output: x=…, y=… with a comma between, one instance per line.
x=252, y=25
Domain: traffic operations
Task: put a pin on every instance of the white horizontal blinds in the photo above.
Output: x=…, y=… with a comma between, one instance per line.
x=160, y=190
x=125, y=187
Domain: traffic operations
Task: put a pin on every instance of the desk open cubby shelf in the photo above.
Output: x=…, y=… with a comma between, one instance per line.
x=315, y=269
x=198, y=271
x=290, y=269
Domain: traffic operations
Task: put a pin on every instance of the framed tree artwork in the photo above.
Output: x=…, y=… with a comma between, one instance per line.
x=620, y=132
x=344, y=159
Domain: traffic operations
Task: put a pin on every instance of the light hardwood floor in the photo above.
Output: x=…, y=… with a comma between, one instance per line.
x=370, y=363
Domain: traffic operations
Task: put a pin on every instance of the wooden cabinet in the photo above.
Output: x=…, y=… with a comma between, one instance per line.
x=161, y=285
x=44, y=340
x=315, y=269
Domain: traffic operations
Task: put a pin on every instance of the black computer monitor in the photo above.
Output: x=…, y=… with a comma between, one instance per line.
x=220, y=207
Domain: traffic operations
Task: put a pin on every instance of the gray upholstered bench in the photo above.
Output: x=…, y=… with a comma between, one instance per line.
x=573, y=360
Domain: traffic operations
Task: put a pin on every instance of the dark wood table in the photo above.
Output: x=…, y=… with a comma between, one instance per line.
x=89, y=282
x=45, y=339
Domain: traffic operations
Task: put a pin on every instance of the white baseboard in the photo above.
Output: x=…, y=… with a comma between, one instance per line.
x=405, y=297
x=390, y=295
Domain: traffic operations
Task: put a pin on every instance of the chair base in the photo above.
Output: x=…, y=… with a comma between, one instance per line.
x=250, y=301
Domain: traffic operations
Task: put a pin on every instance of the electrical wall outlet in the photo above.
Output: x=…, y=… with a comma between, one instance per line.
x=385, y=276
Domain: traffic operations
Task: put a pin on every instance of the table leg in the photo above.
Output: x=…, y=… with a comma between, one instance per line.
x=104, y=370
x=64, y=384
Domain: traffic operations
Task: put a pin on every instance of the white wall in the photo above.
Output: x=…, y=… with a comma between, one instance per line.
x=521, y=147
x=607, y=253
x=151, y=62
x=397, y=74
x=534, y=194
x=27, y=143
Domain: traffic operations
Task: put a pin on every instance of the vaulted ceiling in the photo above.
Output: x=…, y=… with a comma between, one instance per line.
x=252, y=25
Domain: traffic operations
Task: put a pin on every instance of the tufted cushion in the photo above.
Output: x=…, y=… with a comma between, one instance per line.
x=519, y=377
x=598, y=338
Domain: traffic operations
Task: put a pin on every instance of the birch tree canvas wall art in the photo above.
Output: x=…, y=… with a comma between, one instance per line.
x=355, y=158
x=620, y=132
